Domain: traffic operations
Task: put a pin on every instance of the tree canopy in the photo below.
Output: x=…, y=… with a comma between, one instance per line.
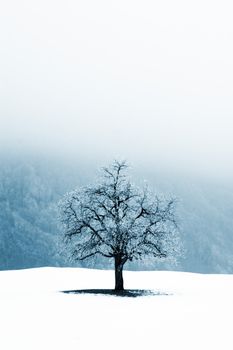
x=115, y=219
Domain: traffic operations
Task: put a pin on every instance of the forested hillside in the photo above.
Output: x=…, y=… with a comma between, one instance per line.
x=30, y=189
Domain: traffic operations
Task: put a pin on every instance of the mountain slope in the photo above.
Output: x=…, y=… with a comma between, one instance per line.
x=29, y=232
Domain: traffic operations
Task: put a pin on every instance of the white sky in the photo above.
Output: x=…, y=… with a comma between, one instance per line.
x=143, y=79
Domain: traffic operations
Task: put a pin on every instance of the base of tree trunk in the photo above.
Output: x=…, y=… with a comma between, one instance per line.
x=119, y=289
x=119, y=282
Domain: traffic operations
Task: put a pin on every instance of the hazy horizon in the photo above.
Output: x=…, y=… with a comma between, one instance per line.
x=150, y=82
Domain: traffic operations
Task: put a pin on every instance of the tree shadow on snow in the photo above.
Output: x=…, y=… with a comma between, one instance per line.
x=132, y=293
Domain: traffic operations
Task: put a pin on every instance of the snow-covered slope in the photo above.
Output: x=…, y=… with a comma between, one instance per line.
x=193, y=311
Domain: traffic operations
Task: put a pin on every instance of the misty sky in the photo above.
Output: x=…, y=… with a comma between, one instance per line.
x=141, y=79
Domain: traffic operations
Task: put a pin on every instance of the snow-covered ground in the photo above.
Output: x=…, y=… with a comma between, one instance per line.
x=193, y=311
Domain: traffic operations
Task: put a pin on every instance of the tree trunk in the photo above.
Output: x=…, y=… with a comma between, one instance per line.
x=119, y=282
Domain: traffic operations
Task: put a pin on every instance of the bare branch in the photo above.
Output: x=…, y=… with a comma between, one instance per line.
x=114, y=219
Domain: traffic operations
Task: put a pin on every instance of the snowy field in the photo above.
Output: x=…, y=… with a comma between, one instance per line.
x=193, y=311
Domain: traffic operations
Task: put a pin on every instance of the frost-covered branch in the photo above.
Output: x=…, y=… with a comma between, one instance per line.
x=115, y=219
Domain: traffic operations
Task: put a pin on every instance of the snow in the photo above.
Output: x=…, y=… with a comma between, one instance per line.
x=192, y=311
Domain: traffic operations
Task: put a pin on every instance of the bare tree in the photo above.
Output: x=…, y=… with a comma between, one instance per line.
x=117, y=220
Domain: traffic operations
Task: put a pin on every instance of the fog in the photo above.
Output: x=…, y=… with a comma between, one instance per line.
x=145, y=80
